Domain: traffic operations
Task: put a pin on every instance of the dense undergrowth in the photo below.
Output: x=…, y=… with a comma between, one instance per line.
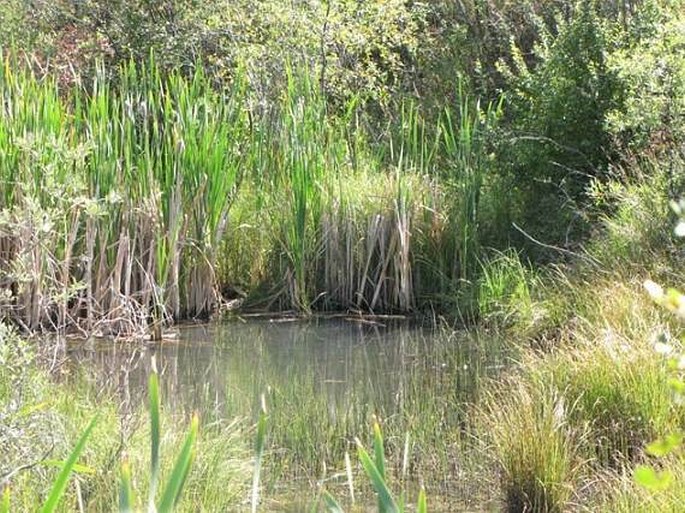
x=590, y=391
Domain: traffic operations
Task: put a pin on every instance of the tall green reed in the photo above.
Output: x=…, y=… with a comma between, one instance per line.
x=463, y=145
x=349, y=219
x=158, y=161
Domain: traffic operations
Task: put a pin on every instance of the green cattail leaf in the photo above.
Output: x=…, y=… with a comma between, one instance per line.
x=386, y=503
x=179, y=474
x=5, y=504
x=379, y=449
x=422, y=506
x=60, y=484
x=77, y=468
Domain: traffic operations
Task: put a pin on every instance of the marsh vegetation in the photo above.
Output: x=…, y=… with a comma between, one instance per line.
x=416, y=228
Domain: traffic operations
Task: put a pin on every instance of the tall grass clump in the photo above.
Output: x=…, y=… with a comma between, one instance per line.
x=504, y=290
x=618, y=392
x=464, y=137
x=300, y=155
x=339, y=218
x=535, y=448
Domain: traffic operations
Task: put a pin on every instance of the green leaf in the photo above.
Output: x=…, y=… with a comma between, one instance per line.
x=174, y=487
x=153, y=392
x=60, y=484
x=79, y=469
x=666, y=445
x=652, y=480
x=385, y=500
x=677, y=385
x=125, y=489
x=422, y=507
x=331, y=504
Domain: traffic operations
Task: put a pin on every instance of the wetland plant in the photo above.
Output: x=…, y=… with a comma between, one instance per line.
x=374, y=468
x=535, y=448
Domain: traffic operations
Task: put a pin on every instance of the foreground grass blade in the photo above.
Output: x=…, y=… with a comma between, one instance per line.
x=153, y=392
x=332, y=505
x=259, y=451
x=350, y=480
x=5, y=504
x=60, y=484
x=174, y=487
x=125, y=489
x=423, y=505
x=379, y=449
x=379, y=460
x=385, y=501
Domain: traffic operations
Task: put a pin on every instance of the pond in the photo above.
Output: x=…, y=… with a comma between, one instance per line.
x=323, y=382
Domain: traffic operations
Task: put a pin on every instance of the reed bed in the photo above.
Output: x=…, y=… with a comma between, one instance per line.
x=115, y=200
x=341, y=222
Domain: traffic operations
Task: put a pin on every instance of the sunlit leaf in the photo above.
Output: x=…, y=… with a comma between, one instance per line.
x=666, y=445
x=78, y=468
x=126, y=500
x=153, y=392
x=422, y=507
x=385, y=499
x=5, y=504
x=179, y=474
x=651, y=479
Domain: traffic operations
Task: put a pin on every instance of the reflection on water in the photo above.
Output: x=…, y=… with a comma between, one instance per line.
x=321, y=380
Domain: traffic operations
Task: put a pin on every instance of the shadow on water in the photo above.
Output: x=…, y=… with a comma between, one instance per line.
x=322, y=383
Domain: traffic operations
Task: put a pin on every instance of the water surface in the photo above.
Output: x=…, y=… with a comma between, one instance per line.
x=322, y=382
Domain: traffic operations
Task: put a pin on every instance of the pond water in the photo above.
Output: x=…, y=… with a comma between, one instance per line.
x=322, y=382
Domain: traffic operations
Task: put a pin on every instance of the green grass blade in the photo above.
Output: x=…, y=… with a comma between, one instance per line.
x=179, y=474
x=422, y=507
x=5, y=504
x=386, y=503
x=332, y=505
x=379, y=449
x=126, y=499
x=259, y=452
x=60, y=484
x=153, y=392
